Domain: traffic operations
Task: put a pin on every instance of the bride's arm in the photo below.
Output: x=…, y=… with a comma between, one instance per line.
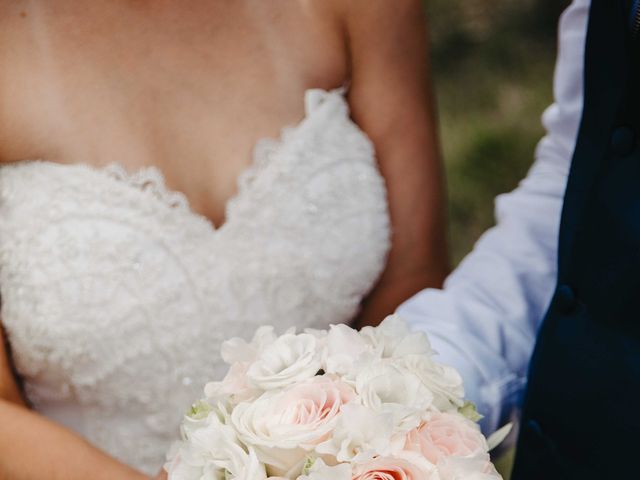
x=392, y=100
x=33, y=448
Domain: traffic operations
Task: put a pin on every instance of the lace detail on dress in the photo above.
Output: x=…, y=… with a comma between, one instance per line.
x=148, y=179
x=116, y=296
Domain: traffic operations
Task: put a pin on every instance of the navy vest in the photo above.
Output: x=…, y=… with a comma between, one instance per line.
x=581, y=415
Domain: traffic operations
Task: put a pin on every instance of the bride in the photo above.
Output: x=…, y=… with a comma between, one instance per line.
x=151, y=205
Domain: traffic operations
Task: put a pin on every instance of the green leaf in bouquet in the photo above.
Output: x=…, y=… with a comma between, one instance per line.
x=199, y=410
x=470, y=411
x=308, y=464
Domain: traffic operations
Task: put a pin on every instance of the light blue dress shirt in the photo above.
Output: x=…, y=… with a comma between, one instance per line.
x=485, y=320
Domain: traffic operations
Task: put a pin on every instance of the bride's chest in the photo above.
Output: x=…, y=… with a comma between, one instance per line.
x=159, y=84
x=103, y=272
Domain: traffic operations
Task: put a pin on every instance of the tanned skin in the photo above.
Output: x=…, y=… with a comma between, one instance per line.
x=147, y=82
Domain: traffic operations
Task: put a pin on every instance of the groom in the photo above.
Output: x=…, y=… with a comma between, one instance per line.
x=562, y=265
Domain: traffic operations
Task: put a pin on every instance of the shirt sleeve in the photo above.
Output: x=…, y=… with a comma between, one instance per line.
x=485, y=320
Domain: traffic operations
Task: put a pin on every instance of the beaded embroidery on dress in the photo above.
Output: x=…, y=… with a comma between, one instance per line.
x=116, y=296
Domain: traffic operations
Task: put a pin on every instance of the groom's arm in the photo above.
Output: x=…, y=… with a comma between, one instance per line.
x=485, y=320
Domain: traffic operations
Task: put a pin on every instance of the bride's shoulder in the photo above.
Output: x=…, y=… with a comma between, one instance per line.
x=371, y=22
x=370, y=9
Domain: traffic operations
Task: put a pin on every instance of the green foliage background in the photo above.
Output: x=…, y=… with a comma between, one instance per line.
x=493, y=66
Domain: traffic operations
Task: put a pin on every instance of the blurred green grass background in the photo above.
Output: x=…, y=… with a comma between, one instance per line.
x=493, y=66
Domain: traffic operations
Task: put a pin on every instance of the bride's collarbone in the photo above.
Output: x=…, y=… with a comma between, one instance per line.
x=189, y=107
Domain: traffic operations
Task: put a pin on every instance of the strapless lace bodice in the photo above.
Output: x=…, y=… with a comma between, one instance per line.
x=116, y=296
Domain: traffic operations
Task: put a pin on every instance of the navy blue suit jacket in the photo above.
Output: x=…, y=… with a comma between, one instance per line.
x=581, y=418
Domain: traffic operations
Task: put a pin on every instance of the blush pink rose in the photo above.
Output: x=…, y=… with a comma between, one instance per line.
x=477, y=467
x=446, y=435
x=283, y=426
x=388, y=468
x=314, y=402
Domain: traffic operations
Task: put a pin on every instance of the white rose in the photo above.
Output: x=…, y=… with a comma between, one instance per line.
x=360, y=434
x=321, y=335
x=234, y=387
x=212, y=451
x=444, y=382
x=385, y=387
x=238, y=350
x=201, y=415
x=321, y=471
x=285, y=425
x=288, y=360
x=394, y=338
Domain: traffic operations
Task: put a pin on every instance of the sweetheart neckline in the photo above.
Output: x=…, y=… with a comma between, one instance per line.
x=151, y=178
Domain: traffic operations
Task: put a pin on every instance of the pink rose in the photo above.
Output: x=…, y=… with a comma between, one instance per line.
x=283, y=426
x=388, y=468
x=446, y=435
x=478, y=467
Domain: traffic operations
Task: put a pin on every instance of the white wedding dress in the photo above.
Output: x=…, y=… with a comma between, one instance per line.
x=116, y=296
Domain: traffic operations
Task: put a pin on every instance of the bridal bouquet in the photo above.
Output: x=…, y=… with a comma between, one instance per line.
x=333, y=405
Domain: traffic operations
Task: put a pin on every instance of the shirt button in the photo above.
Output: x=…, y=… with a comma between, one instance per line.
x=623, y=141
x=565, y=299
